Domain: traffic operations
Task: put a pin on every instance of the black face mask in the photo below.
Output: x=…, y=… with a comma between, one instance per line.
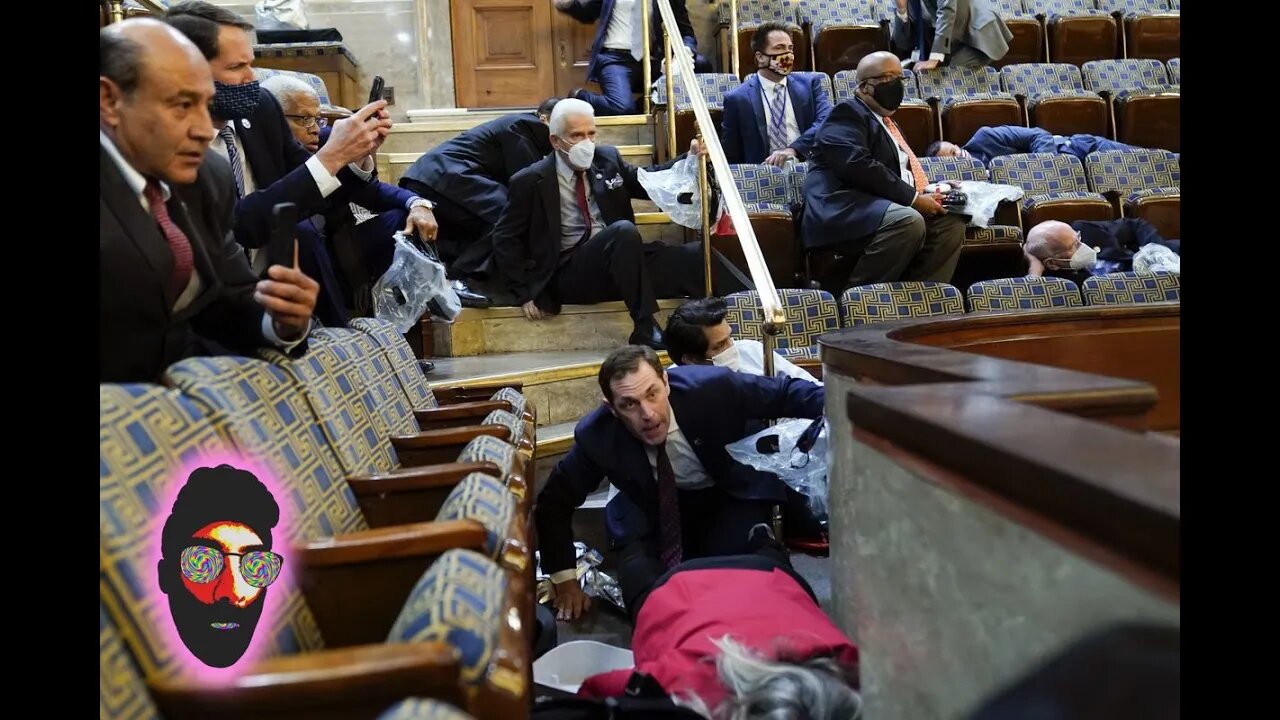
x=888, y=95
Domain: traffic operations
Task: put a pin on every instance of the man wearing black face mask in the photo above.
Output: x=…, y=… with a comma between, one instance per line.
x=864, y=193
x=268, y=164
x=774, y=115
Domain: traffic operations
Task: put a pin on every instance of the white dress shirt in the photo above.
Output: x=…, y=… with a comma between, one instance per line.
x=618, y=36
x=571, y=228
x=751, y=354
x=790, y=126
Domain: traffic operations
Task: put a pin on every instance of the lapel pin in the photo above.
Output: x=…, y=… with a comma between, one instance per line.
x=245, y=123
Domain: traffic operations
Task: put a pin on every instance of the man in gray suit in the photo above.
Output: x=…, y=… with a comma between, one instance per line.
x=965, y=33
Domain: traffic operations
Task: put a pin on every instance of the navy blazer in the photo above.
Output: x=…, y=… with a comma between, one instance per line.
x=713, y=407
x=744, y=131
x=602, y=10
x=853, y=177
x=996, y=141
x=277, y=161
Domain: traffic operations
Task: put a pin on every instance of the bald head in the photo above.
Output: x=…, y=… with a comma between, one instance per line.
x=154, y=93
x=879, y=82
x=1050, y=239
x=878, y=64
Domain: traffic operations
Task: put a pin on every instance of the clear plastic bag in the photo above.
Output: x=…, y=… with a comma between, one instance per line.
x=414, y=283
x=804, y=472
x=1154, y=257
x=595, y=583
x=983, y=198
x=281, y=15
x=675, y=190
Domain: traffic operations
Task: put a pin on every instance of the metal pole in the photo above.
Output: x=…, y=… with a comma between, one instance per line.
x=646, y=65
x=733, y=36
x=771, y=331
x=704, y=190
x=671, y=93
x=117, y=11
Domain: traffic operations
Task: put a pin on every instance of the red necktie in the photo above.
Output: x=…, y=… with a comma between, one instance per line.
x=670, y=545
x=580, y=187
x=178, y=242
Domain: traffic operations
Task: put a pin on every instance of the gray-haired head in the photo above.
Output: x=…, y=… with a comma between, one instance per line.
x=566, y=109
x=759, y=689
x=289, y=89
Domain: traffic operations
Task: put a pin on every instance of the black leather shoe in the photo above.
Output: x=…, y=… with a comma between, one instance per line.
x=470, y=298
x=574, y=93
x=427, y=366
x=650, y=336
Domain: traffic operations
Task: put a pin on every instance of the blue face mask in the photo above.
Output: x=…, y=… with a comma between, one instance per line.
x=234, y=102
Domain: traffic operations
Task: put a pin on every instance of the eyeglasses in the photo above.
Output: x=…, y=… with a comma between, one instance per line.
x=307, y=121
x=202, y=564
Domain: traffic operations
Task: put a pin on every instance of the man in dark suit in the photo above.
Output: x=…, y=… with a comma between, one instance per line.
x=568, y=233
x=961, y=33
x=466, y=178
x=268, y=164
x=618, y=47
x=659, y=437
x=1089, y=247
x=995, y=141
x=774, y=116
x=864, y=192
x=173, y=282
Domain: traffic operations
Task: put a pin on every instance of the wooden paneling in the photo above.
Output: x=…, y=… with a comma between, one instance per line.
x=501, y=55
x=573, y=53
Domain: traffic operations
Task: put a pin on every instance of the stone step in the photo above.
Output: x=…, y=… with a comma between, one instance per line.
x=599, y=327
x=554, y=441
x=392, y=165
x=425, y=132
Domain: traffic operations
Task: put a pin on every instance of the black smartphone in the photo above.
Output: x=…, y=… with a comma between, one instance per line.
x=284, y=230
x=375, y=93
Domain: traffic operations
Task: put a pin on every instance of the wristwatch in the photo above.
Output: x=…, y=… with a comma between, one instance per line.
x=421, y=202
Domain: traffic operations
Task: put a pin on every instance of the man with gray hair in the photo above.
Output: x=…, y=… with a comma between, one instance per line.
x=865, y=190
x=568, y=233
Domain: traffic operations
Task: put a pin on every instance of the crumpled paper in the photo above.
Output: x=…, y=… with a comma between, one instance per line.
x=595, y=583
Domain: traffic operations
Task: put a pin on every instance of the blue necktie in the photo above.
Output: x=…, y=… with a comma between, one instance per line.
x=778, y=121
x=233, y=156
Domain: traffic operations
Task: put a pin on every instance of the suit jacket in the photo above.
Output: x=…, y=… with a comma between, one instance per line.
x=474, y=168
x=277, y=161
x=853, y=177
x=139, y=334
x=586, y=11
x=990, y=142
x=526, y=240
x=713, y=406
x=947, y=22
x=744, y=129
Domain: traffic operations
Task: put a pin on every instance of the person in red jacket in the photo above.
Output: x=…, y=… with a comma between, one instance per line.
x=739, y=636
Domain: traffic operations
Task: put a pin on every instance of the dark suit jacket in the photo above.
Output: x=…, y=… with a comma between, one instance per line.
x=526, y=240
x=474, y=168
x=853, y=177
x=1117, y=242
x=713, y=406
x=277, y=161
x=139, y=335
x=745, y=131
x=587, y=11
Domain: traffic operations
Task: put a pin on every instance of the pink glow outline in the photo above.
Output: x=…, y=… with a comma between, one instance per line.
x=191, y=665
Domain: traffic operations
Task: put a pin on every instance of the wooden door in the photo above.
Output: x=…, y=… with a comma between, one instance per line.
x=502, y=56
x=573, y=52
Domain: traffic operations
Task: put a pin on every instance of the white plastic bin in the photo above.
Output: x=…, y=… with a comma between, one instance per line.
x=566, y=666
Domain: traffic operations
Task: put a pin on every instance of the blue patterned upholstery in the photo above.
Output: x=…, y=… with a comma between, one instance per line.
x=487, y=448
x=355, y=355
x=1131, y=288
x=261, y=408
x=944, y=82
x=1127, y=171
x=846, y=80
x=122, y=693
x=824, y=86
x=898, y=301
x=147, y=435
x=1175, y=71
x=1126, y=76
x=796, y=174
x=486, y=500
x=809, y=313
x=1062, y=8
x=951, y=101
x=761, y=185
x=1031, y=202
x=1008, y=9
x=314, y=81
x=1138, y=196
x=992, y=235
x=420, y=709
x=1131, y=8
x=823, y=14
x=400, y=355
x=1044, y=81
x=939, y=169
x=714, y=87
x=1023, y=293
x=1175, y=4
x=1039, y=173
x=752, y=13
x=519, y=404
x=458, y=601
x=513, y=423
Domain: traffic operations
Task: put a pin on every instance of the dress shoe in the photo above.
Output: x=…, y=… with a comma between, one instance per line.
x=470, y=298
x=575, y=92
x=647, y=336
x=427, y=366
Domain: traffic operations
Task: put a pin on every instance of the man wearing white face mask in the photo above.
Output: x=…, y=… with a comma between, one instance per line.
x=698, y=334
x=1089, y=247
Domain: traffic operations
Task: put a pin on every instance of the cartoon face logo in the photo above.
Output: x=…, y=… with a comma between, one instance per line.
x=217, y=563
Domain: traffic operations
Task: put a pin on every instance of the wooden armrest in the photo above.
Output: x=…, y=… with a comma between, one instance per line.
x=432, y=447
x=350, y=682
x=356, y=584
x=504, y=692
x=456, y=414
x=473, y=391
x=445, y=475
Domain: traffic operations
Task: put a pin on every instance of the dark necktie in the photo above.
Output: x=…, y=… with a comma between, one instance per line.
x=670, y=546
x=233, y=157
x=580, y=189
x=178, y=242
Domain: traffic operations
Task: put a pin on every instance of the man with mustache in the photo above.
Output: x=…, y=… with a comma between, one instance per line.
x=774, y=116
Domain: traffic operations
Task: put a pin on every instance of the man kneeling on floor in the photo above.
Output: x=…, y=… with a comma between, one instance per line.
x=659, y=437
